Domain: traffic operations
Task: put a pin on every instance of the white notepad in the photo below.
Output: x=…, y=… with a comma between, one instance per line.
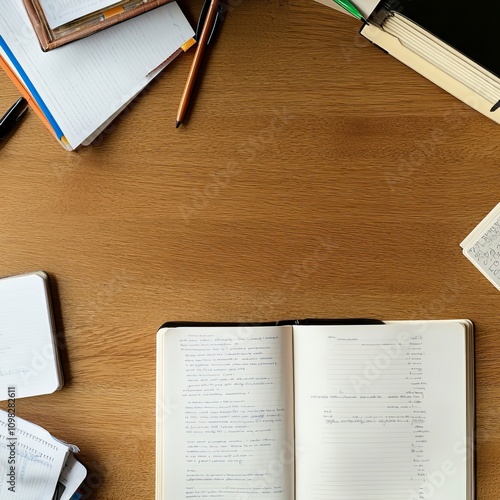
x=482, y=246
x=29, y=359
x=82, y=84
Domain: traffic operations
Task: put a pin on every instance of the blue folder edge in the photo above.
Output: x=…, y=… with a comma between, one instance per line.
x=31, y=88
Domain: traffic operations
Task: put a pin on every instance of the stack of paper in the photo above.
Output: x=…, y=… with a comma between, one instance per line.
x=33, y=464
x=79, y=88
x=29, y=358
x=482, y=246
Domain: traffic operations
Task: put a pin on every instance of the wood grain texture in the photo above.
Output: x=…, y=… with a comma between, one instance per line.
x=315, y=176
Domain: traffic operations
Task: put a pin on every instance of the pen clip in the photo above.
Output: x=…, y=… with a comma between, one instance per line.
x=495, y=107
x=219, y=17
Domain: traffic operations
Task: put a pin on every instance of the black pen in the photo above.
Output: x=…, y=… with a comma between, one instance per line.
x=9, y=121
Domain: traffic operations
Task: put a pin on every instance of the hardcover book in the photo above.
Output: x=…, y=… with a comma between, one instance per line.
x=450, y=42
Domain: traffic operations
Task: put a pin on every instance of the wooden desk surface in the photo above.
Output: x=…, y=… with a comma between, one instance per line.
x=316, y=177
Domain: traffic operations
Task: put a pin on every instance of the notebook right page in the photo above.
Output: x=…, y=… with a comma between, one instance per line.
x=380, y=412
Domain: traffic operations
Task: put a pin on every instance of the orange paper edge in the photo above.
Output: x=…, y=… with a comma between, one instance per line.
x=113, y=12
x=32, y=103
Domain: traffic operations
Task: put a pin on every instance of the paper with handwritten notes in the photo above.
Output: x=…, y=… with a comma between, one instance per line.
x=482, y=246
x=31, y=460
x=379, y=412
x=227, y=401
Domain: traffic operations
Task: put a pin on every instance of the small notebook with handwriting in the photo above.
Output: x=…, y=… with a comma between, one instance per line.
x=482, y=246
x=57, y=23
x=308, y=410
x=453, y=43
x=29, y=355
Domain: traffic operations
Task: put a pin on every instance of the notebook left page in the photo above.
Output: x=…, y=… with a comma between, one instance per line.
x=225, y=414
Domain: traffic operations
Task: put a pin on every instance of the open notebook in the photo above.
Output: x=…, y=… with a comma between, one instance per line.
x=79, y=88
x=316, y=412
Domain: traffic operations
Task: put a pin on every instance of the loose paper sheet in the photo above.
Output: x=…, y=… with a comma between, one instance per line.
x=366, y=7
x=482, y=246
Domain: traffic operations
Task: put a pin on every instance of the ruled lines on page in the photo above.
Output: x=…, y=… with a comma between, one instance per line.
x=232, y=436
x=380, y=413
x=85, y=82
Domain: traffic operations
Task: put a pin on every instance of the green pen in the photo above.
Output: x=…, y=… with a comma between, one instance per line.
x=351, y=8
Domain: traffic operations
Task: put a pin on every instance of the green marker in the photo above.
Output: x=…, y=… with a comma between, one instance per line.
x=351, y=8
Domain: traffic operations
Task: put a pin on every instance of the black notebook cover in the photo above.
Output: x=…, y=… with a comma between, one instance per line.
x=472, y=28
x=307, y=321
